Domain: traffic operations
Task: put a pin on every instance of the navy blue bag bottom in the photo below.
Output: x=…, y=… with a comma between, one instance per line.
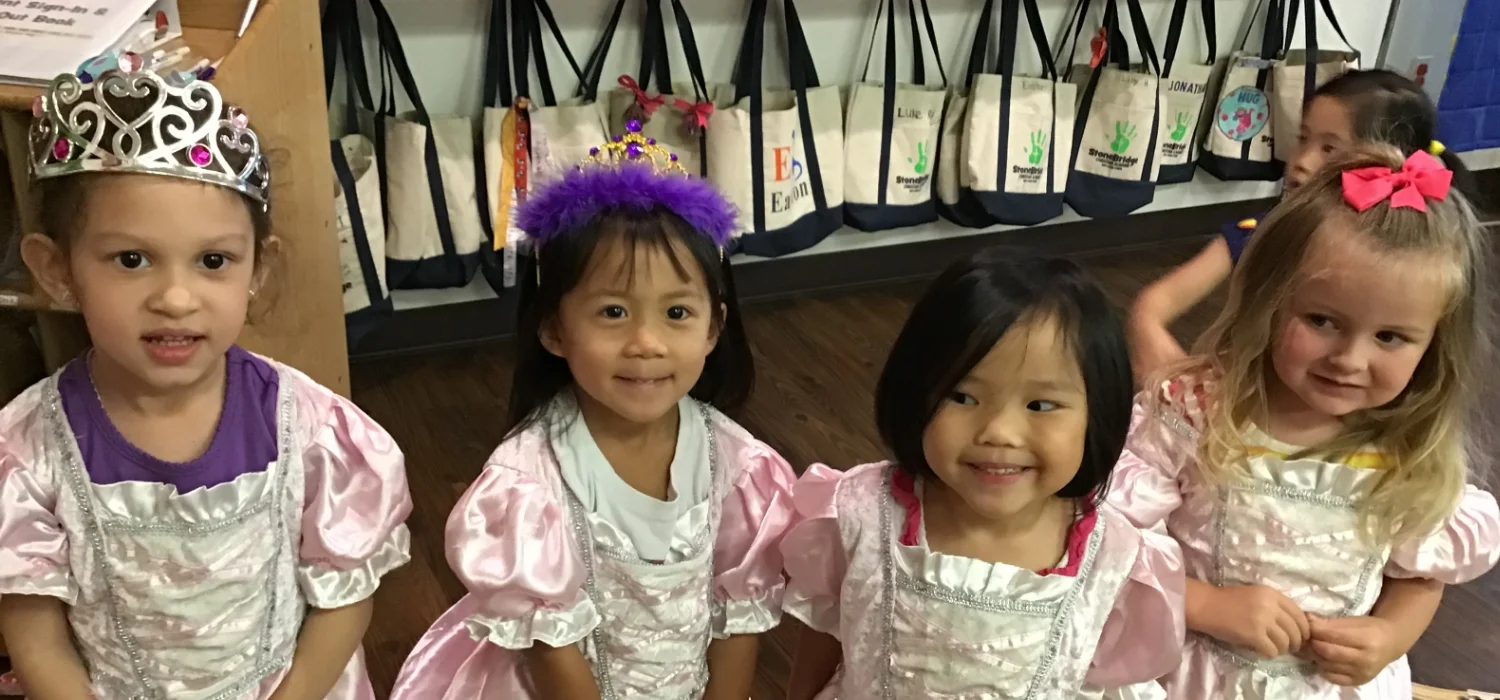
x=1017, y=209
x=1241, y=169
x=1099, y=197
x=881, y=217
x=802, y=234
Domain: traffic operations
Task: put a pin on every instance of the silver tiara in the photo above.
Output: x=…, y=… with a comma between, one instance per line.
x=131, y=120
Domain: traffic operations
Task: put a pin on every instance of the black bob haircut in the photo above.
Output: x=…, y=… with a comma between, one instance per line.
x=960, y=319
x=728, y=373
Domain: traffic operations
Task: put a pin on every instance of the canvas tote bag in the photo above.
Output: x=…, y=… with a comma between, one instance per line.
x=1238, y=143
x=676, y=114
x=1115, y=162
x=433, y=235
x=1012, y=157
x=357, y=209
x=792, y=195
x=891, y=135
x=1300, y=71
x=1183, y=88
x=562, y=131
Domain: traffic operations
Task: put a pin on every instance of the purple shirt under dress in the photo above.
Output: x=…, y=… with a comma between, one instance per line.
x=243, y=443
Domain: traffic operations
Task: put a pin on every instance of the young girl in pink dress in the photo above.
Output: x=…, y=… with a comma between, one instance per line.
x=622, y=540
x=183, y=519
x=1312, y=459
x=982, y=563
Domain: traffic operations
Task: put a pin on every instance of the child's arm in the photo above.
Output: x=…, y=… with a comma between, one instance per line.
x=41, y=648
x=1257, y=618
x=561, y=672
x=328, y=640
x=818, y=657
x=1152, y=345
x=731, y=667
x=1352, y=651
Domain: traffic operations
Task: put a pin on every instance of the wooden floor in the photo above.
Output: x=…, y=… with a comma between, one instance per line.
x=816, y=363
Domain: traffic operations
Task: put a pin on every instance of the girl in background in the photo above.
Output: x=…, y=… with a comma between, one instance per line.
x=182, y=519
x=1312, y=460
x=622, y=541
x=1362, y=106
x=982, y=561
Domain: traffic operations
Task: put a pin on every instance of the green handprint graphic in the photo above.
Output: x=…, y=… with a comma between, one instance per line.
x=1038, y=142
x=1124, y=134
x=919, y=166
x=1179, y=132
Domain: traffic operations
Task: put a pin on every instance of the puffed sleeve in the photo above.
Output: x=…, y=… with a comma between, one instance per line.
x=814, y=551
x=1144, y=487
x=1146, y=629
x=747, y=554
x=354, y=512
x=33, y=544
x=509, y=543
x=1461, y=550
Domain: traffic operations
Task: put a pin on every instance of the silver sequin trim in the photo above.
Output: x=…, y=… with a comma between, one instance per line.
x=1062, y=611
x=97, y=526
x=587, y=549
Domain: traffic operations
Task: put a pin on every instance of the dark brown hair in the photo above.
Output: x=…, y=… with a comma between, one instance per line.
x=64, y=200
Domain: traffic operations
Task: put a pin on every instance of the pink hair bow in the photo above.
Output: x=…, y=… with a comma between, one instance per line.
x=1420, y=177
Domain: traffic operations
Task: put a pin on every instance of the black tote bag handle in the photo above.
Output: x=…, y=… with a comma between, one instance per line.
x=394, y=58
x=497, y=91
x=919, y=47
x=527, y=43
x=1174, y=33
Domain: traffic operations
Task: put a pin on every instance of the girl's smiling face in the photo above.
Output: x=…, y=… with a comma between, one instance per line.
x=635, y=331
x=162, y=270
x=1355, y=326
x=1011, y=434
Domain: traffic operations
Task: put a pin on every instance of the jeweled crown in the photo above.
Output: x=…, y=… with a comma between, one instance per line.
x=132, y=120
x=634, y=149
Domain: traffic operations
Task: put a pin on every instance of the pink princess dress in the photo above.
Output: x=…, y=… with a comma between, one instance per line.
x=190, y=581
x=541, y=566
x=916, y=623
x=1292, y=526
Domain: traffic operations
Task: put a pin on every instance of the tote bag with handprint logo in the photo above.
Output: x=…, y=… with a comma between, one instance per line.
x=1115, y=161
x=889, y=132
x=1003, y=152
x=1184, y=86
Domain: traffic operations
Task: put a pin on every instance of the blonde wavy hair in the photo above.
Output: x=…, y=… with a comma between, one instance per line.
x=1425, y=432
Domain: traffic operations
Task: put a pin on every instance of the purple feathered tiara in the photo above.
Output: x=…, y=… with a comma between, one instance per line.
x=630, y=172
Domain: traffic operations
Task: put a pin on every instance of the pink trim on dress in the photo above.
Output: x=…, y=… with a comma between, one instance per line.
x=904, y=490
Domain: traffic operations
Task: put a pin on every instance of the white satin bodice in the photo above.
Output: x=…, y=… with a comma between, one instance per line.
x=188, y=599
x=655, y=618
x=921, y=624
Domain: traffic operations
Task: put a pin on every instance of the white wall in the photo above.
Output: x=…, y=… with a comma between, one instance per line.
x=1424, y=30
x=445, y=42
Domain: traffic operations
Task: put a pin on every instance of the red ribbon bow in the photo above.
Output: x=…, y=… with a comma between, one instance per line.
x=700, y=110
x=648, y=103
x=1420, y=177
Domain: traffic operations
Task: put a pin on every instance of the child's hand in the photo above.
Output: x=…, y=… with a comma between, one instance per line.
x=1257, y=618
x=1351, y=651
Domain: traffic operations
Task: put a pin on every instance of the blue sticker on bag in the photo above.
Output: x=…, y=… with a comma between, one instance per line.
x=1243, y=113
